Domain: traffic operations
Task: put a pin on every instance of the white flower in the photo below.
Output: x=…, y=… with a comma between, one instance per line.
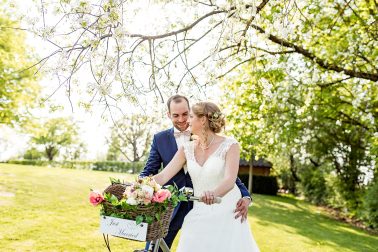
x=131, y=201
x=148, y=190
x=300, y=111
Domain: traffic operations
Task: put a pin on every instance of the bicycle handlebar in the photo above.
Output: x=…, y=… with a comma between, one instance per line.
x=217, y=200
x=188, y=192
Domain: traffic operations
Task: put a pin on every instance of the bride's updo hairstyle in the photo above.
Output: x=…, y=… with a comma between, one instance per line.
x=215, y=118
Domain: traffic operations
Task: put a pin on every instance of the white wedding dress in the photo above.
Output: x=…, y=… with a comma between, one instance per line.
x=213, y=228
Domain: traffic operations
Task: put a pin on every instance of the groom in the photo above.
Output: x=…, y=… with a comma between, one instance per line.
x=164, y=146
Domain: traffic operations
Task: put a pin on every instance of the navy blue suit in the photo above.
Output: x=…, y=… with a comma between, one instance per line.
x=163, y=149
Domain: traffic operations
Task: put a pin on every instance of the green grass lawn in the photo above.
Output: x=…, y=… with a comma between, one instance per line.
x=50, y=212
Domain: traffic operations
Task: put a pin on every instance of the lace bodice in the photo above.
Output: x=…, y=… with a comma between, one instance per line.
x=209, y=175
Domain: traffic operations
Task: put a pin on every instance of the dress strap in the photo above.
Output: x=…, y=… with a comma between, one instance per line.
x=189, y=150
x=225, y=146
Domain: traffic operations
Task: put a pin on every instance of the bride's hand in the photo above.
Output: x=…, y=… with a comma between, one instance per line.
x=208, y=197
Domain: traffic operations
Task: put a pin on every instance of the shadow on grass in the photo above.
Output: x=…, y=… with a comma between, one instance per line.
x=317, y=227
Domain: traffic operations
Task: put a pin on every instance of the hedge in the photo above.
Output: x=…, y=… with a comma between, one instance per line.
x=261, y=184
x=112, y=166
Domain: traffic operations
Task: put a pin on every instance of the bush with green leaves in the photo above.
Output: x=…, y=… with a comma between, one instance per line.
x=287, y=181
x=33, y=154
x=313, y=185
x=370, y=204
x=112, y=166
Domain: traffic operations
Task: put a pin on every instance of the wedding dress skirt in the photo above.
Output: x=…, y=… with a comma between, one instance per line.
x=213, y=228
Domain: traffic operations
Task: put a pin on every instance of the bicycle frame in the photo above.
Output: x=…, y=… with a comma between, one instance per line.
x=160, y=243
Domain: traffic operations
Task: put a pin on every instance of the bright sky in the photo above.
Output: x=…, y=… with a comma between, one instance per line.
x=93, y=129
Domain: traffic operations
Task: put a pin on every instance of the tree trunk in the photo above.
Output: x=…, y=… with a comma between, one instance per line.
x=250, y=176
x=293, y=169
x=50, y=153
x=135, y=154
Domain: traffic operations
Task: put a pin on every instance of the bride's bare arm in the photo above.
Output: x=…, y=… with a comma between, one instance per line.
x=231, y=171
x=172, y=168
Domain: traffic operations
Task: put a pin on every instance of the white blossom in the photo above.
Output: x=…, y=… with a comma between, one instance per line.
x=148, y=189
x=131, y=201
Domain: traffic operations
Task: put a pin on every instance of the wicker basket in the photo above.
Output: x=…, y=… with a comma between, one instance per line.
x=155, y=230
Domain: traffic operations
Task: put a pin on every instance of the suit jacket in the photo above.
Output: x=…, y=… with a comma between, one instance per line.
x=163, y=149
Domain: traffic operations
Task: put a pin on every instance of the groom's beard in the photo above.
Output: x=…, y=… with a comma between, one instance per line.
x=181, y=126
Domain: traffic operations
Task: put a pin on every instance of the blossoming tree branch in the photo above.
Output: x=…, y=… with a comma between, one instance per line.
x=132, y=48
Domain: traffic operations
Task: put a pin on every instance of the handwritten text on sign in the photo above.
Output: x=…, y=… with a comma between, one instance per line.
x=123, y=228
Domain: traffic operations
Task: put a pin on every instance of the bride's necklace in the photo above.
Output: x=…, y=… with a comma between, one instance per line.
x=205, y=147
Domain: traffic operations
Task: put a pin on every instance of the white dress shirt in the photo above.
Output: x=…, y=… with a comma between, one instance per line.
x=180, y=140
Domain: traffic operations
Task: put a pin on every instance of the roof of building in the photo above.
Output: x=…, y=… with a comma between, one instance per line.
x=256, y=163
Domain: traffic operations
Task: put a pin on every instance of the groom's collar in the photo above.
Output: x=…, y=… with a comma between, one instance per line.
x=171, y=131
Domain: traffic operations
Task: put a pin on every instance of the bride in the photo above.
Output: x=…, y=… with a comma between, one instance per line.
x=213, y=162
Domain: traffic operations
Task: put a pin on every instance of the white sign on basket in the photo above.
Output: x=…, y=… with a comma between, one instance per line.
x=123, y=228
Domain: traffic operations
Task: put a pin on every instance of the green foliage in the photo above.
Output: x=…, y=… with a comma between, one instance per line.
x=370, y=202
x=114, y=181
x=54, y=135
x=33, y=154
x=177, y=196
x=112, y=199
x=118, y=166
x=131, y=138
x=314, y=186
x=111, y=166
x=19, y=89
x=287, y=181
x=273, y=114
x=31, y=162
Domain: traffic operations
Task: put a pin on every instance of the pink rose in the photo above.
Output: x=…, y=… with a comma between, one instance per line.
x=161, y=195
x=95, y=198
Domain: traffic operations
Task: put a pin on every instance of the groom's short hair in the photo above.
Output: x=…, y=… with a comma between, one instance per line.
x=176, y=99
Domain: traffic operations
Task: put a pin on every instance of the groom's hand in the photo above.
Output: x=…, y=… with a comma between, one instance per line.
x=242, y=209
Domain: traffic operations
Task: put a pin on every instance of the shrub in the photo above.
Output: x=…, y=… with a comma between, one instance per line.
x=287, y=181
x=117, y=166
x=112, y=166
x=370, y=203
x=33, y=154
x=30, y=162
x=313, y=185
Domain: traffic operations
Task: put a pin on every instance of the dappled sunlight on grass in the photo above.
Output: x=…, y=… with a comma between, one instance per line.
x=50, y=212
x=295, y=218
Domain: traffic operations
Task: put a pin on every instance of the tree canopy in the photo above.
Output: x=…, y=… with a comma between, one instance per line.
x=130, y=138
x=129, y=55
x=311, y=97
x=55, y=135
x=19, y=90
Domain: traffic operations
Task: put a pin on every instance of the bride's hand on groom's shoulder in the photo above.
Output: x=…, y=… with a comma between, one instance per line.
x=208, y=197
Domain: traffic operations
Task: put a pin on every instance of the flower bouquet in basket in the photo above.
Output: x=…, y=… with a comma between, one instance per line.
x=139, y=211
